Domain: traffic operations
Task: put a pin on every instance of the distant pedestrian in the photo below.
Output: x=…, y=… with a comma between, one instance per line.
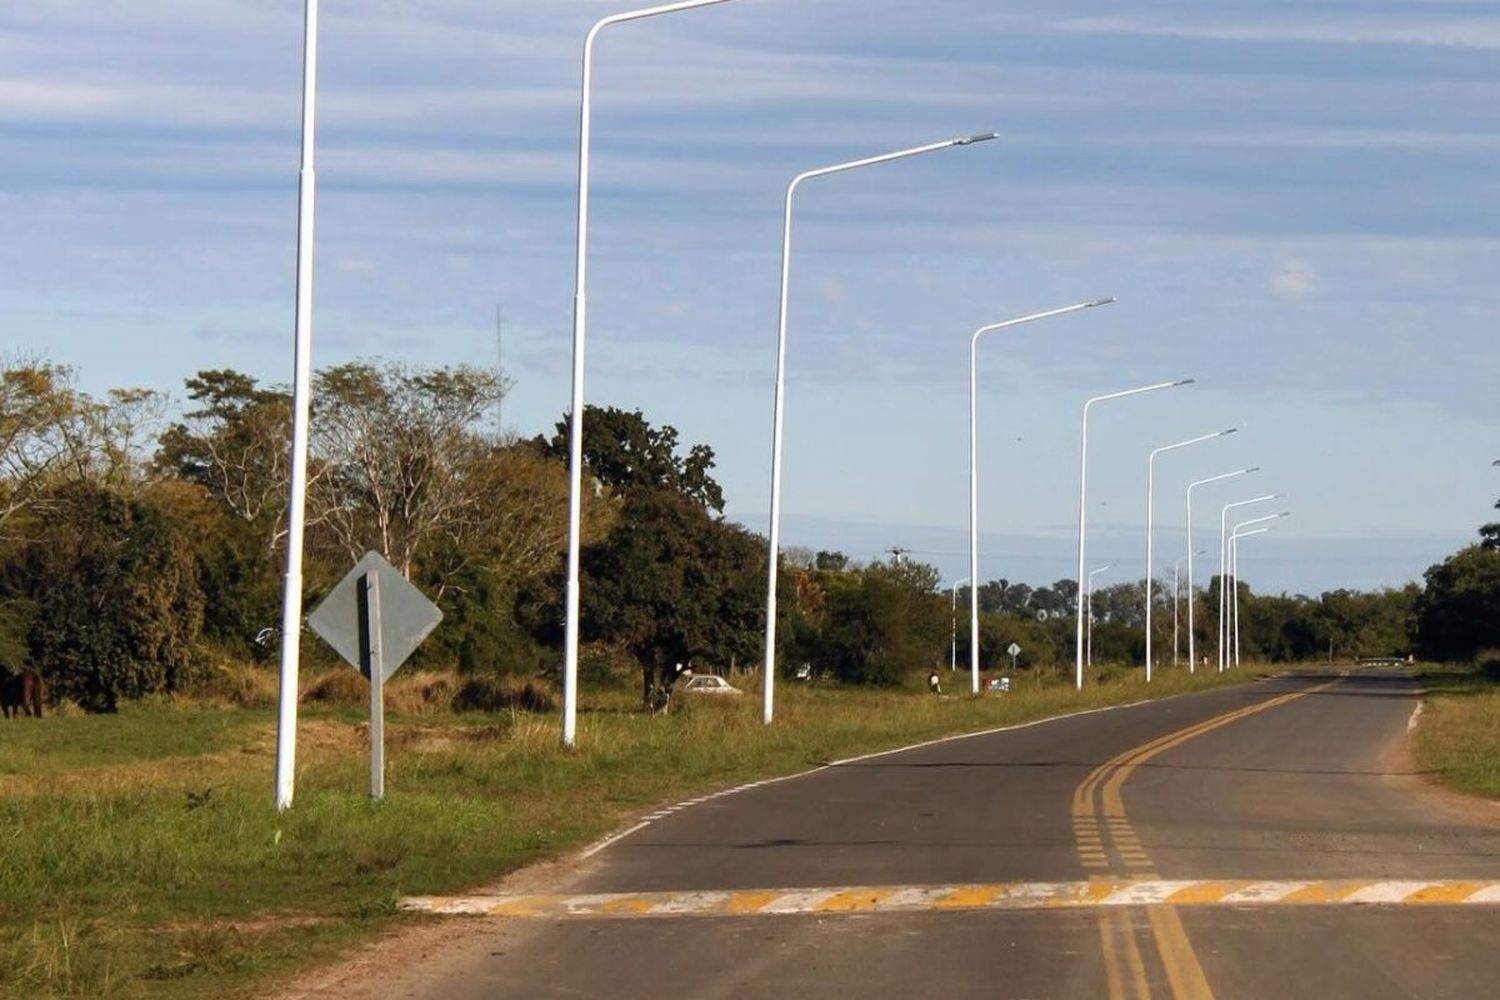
x=934, y=682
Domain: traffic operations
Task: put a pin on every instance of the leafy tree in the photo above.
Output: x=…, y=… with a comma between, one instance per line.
x=835, y=562
x=674, y=585
x=1459, y=614
x=236, y=445
x=882, y=623
x=401, y=446
x=624, y=452
x=118, y=608
x=39, y=413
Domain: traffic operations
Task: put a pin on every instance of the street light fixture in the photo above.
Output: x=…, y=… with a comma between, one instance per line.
x=1083, y=476
x=1177, y=599
x=974, y=466
x=1192, y=652
x=768, y=679
x=1089, y=654
x=580, y=330
x=1234, y=572
x=1150, y=520
x=1223, y=567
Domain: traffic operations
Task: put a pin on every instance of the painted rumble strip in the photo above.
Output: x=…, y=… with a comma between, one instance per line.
x=997, y=896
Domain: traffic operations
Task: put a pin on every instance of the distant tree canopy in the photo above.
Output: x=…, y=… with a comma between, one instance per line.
x=1459, y=613
x=135, y=551
x=624, y=452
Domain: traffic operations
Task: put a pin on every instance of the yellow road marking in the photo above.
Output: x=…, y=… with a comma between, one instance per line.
x=969, y=897
x=1203, y=892
x=1184, y=974
x=1453, y=892
x=1183, y=971
x=854, y=901
x=751, y=902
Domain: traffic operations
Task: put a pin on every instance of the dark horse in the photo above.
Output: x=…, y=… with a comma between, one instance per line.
x=22, y=692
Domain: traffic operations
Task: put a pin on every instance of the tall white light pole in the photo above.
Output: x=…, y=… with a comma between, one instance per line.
x=1089, y=653
x=1224, y=567
x=768, y=679
x=1192, y=651
x=1234, y=572
x=1083, y=479
x=1150, y=523
x=1234, y=563
x=291, y=590
x=953, y=629
x=1177, y=601
x=580, y=330
x=974, y=467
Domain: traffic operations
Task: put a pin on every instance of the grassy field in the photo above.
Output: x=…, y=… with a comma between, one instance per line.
x=140, y=854
x=1458, y=740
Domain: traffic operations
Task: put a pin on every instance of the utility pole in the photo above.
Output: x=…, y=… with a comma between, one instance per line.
x=898, y=554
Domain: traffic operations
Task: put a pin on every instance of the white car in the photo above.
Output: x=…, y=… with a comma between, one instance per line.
x=707, y=684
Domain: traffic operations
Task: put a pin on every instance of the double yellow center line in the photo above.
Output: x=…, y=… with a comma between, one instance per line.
x=1105, y=839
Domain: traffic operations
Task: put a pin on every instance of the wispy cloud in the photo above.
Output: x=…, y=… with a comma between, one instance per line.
x=1295, y=279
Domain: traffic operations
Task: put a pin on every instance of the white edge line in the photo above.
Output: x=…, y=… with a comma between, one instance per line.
x=613, y=839
x=1416, y=714
x=662, y=812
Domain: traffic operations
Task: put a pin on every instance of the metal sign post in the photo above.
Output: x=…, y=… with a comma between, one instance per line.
x=375, y=619
x=1014, y=651
x=373, y=667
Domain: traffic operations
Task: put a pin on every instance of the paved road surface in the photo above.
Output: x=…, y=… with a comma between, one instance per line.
x=1295, y=781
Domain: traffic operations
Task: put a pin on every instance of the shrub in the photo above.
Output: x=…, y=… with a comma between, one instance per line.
x=500, y=694
x=341, y=686
x=119, y=611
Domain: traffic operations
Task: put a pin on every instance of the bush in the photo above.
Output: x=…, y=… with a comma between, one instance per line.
x=242, y=685
x=342, y=686
x=1487, y=662
x=119, y=612
x=501, y=694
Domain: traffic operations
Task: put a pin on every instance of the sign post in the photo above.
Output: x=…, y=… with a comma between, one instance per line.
x=373, y=667
x=375, y=619
x=1014, y=650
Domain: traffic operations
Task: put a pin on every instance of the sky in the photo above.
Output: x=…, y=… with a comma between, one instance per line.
x=1294, y=203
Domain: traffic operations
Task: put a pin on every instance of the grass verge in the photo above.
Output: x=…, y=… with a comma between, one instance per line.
x=1458, y=740
x=140, y=855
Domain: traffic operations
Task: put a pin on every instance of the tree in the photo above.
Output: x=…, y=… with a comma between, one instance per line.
x=39, y=414
x=118, y=609
x=674, y=585
x=835, y=562
x=1459, y=613
x=401, y=448
x=881, y=623
x=624, y=452
x=236, y=445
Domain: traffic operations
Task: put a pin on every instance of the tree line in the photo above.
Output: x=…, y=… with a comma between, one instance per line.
x=140, y=546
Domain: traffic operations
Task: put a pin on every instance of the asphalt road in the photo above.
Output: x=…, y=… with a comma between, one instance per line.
x=1299, y=780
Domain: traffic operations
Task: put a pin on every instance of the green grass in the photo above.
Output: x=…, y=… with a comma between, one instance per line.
x=140, y=854
x=1458, y=739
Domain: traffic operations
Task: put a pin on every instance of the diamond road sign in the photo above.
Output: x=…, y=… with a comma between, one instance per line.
x=406, y=615
x=1014, y=650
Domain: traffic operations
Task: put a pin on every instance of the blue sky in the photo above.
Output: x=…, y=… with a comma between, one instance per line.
x=1295, y=203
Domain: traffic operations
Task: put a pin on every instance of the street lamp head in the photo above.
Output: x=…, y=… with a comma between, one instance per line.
x=1105, y=302
x=972, y=139
x=1231, y=430
x=1184, y=381
x=1253, y=468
